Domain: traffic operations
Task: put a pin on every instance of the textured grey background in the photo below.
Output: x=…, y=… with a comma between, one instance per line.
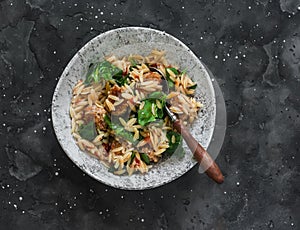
x=252, y=48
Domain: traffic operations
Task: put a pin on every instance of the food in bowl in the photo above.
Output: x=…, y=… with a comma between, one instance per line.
x=118, y=111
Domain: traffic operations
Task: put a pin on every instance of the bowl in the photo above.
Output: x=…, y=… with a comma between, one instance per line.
x=122, y=42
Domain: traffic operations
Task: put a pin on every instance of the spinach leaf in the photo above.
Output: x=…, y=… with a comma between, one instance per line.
x=175, y=71
x=145, y=158
x=145, y=115
x=119, y=130
x=107, y=121
x=133, y=62
x=131, y=158
x=193, y=86
x=120, y=78
x=170, y=82
x=158, y=95
x=175, y=148
x=100, y=70
x=88, y=131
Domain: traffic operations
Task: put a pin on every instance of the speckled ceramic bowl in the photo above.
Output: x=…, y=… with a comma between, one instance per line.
x=122, y=42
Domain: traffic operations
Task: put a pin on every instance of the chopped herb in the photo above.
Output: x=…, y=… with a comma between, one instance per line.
x=101, y=70
x=88, y=131
x=145, y=158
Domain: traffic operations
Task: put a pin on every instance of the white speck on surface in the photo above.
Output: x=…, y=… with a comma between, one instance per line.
x=96, y=16
x=225, y=192
x=101, y=13
x=142, y=220
x=216, y=57
x=237, y=183
x=249, y=7
x=20, y=198
x=56, y=173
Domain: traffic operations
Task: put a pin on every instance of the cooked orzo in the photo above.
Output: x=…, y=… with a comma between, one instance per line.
x=118, y=111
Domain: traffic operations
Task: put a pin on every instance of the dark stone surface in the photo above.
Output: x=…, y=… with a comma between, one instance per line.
x=252, y=48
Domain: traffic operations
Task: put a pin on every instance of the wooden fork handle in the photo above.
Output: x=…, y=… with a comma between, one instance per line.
x=203, y=157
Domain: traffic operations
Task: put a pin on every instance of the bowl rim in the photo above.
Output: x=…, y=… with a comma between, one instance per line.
x=77, y=55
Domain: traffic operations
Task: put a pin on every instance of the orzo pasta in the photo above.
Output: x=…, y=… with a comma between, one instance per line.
x=118, y=112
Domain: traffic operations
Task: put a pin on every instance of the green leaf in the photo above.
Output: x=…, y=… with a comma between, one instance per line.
x=145, y=158
x=171, y=84
x=145, y=115
x=107, y=121
x=101, y=70
x=120, y=78
x=88, y=131
x=131, y=158
x=175, y=148
x=133, y=62
x=175, y=71
x=158, y=95
x=193, y=86
x=111, y=169
x=119, y=130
